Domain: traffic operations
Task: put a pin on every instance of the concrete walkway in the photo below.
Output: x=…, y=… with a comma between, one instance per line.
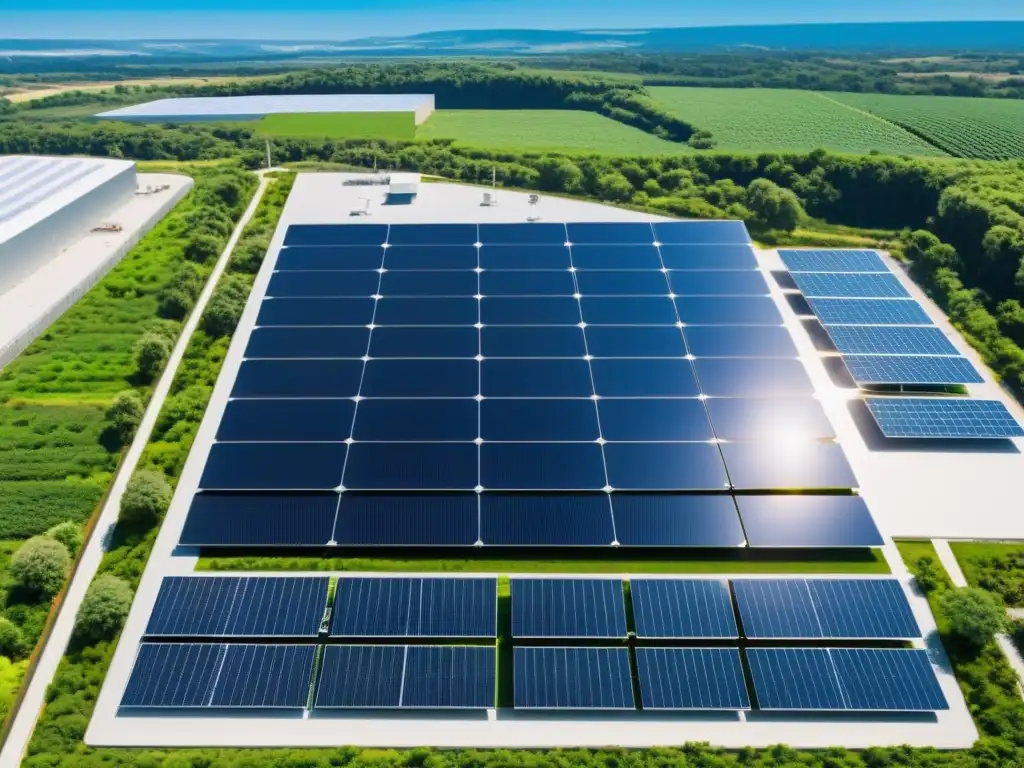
x=53, y=652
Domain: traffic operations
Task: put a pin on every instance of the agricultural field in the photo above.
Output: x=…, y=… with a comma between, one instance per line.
x=759, y=120
x=986, y=129
x=543, y=130
x=381, y=125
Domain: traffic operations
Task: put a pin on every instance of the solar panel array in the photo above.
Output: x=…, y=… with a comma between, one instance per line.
x=930, y=417
x=456, y=384
x=568, y=608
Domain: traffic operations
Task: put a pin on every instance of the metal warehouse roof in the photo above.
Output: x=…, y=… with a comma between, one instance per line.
x=214, y=106
x=33, y=188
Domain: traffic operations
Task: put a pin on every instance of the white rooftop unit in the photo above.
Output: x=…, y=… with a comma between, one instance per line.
x=404, y=184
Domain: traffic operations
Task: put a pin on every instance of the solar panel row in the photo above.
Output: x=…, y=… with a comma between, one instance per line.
x=832, y=261
x=928, y=417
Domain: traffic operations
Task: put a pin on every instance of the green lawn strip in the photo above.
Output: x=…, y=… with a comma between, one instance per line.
x=340, y=125
x=995, y=566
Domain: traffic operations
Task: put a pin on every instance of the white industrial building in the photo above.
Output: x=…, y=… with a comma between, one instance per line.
x=232, y=108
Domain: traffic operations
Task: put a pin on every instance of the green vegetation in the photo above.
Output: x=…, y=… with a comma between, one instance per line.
x=362, y=125
x=756, y=120
x=988, y=129
x=534, y=130
x=104, y=609
x=974, y=615
x=40, y=566
x=145, y=499
x=997, y=567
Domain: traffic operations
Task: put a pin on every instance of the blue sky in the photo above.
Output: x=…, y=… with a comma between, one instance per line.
x=333, y=20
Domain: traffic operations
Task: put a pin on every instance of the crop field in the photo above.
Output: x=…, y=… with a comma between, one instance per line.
x=544, y=130
x=354, y=125
x=758, y=120
x=986, y=129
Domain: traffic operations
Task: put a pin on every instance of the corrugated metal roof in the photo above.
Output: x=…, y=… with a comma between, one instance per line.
x=215, y=106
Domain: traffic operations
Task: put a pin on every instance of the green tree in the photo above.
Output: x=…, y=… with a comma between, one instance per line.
x=12, y=644
x=1010, y=315
x=104, y=609
x=151, y=353
x=124, y=415
x=68, y=533
x=225, y=307
x=974, y=614
x=559, y=175
x=927, y=574
x=40, y=566
x=772, y=207
x=1003, y=251
x=702, y=140
x=145, y=499
x=615, y=187
x=201, y=248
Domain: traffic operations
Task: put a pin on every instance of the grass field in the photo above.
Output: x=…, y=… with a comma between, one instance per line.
x=543, y=130
x=39, y=92
x=380, y=125
x=995, y=566
x=987, y=129
x=756, y=120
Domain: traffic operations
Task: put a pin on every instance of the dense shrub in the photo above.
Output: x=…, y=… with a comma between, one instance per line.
x=145, y=499
x=12, y=643
x=124, y=415
x=104, y=609
x=68, y=533
x=151, y=353
x=202, y=248
x=225, y=307
x=973, y=614
x=40, y=566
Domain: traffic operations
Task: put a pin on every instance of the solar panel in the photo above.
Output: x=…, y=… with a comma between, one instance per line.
x=366, y=257
x=691, y=678
x=449, y=677
x=713, y=232
x=298, y=378
x=594, y=282
x=417, y=257
x=863, y=609
x=739, y=341
x=572, y=678
x=776, y=609
x=264, y=677
x=747, y=377
x=273, y=466
x=238, y=606
x=432, y=234
x=854, y=286
x=297, y=343
x=308, y=285
x=709, y=282
x=784, y=465
x=928, y=417
x=892, y=369
x=173, y=675
x=763, y=418
x=424, y=342
x=610, y=233
x=707, y=256
x=616, y=257
x=807, y=521
x=890, y=340
x=725, y=310
x=676, y=520
x=686, y=608
x=333, y=234
x=869, y=312
x=414, y=607
x=525, y=257
x=253, y=520
x=832, y=261
x=317, y=312
x=534, y=233
x=407, y=520
x=538, y=420
x=875, y=680
x=567, y=608
x=286, y=421
x=794, y=679
x=665, y=467
x=361, y=677
x=634, y=341
x=546, y=520
x=650, y=419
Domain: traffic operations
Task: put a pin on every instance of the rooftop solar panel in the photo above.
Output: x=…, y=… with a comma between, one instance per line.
x=546, y=520
x=708, y=256
x=807, y=521
x=691, y=678
x=311, y=421
x=875, y=680
x=463, y=310
x=273, y=466
x=449, y=677
x=526, y=257
x=298, y=343
x=676, y=520
x=785, y=465
x=764, y=418
x=256, y=520
x=431, y=257
x=928, y=417
x=407, y=520
x=863, y=609
x=739, y=341
x=684, y=608
x=318, y=312
x=713, y=232
x=538, y=420
x=432, y=234
x=534, y=233
x=530, y=310
x=298, y=378
x=616, y=257
x=869, y=312
x=629, y=310
x=452, y=282
x=776, y=609
x=572, y=678
x=264, y=677
x=610, y=233
x=318, y=285
x=568, y=608
x=365, y=257
x=607, y=282
x=794, y=679
x=634, y=341
x=333, y=234
x=751, y=377
x=651, y=419
x=361, y=677
x=892, y=369
x=832, y=261
x=173, y=675
x=855, y=286
x=726, y=310
x=665, y=467
x=424, y=342
x=890, y=340
x=718, y=282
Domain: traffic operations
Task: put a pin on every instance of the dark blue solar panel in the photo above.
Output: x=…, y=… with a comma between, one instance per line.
x=535, y=378
x=431, y=257
x=644, y=378
x=546, y=520
x=425, y=342
x=525, y=257
x=238, y=606
x=331, y=258
x=610, y=233
x=691, y=678
x=892, y=369
x=776, y=609
x=422, y=283
x=530, y=310
x=308, y=285
x=863, y=608
x=274, y=466
x=265, y=677
x=676, y=520
x=794, y=679
x=739, y=341
x=827, y=285
x=538, y=420
x=534, y=233
x=335, y=234
x=312, y=312
x=595, y=282
x=929, y=417
x=736, y=418
x=173, y=675
x=527, y=283
x=832, y=261
x=415, y=607
x=287, y=420
x=568, y=608
x=708, y=257
x=892, y=680
x=647, y=310
x=665, y=467
x=718, y=282
x=361, y=677
x=685, y=608
x=432, y=234
x=748, y=377
x=808, y=521
x=716, y=232
x=728, y=310
x=890, y=340
x=651, y=419
x=395, y=420
x=298, y=378
x=783, y=465
x=427, y=311
x=246, y=520
x=541, y=467
x=420, y=378
x=635, y=341
x=572, y=678
x=869, y=312
x=532, y=341
x=307, y=342
x=616, y=257
x=392, y=520
x=449, y=677
x=411, y=467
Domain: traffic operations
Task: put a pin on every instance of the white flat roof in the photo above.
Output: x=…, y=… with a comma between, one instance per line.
x=216, y=106
x=33, y=188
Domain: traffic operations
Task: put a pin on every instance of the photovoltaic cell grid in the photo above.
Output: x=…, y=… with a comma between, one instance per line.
x=815, y=285
x=683, y=608
x=568, y=608
x=890, y=340
x=572, y=678
x=928, y=417
x=691, y=678
x=892, y=369
x=832, y=261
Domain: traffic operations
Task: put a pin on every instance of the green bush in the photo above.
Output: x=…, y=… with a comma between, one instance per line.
x=927, y=574
x=124, y=416
x=973, y=614
x=68, y=533
x=772, y=207
x=225, y=307
x=151, y=353
x=202, y=248
x=12, y=643
x=40, y=566
x=104, y=609
x=145, y=499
